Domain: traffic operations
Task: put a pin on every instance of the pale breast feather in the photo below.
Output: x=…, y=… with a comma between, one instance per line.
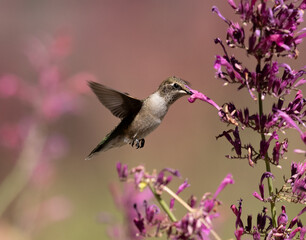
x=157, y=104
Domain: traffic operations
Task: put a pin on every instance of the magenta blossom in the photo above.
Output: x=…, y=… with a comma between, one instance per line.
x=292, y=123
x=197, y=222
x=198, y=95
x=184, y=185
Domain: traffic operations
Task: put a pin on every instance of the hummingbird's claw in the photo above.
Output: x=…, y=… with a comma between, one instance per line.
x=139, y=143
x=142, y=142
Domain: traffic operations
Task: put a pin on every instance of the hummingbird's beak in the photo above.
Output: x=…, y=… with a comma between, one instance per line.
x=188, y=90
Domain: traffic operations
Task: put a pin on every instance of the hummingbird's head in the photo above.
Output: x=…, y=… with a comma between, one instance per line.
x=173, y=88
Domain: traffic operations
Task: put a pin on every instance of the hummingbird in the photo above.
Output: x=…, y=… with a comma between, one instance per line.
x=138, y=117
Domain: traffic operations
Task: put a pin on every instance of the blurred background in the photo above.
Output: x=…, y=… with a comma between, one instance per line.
x=50, y=120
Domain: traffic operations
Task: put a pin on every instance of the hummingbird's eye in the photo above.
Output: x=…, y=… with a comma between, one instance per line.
x=175, y=85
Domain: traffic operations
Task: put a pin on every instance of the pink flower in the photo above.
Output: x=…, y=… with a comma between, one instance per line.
x=290, y=121
x=9, y=84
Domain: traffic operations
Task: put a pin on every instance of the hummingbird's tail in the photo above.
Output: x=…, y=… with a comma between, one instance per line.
x=100, y=147
x=113, y=139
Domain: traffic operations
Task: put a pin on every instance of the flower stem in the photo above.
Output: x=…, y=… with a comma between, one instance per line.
x=268, y=167
x=189, y=209
x=18, y=178
x=163, y=204
x=177, y=198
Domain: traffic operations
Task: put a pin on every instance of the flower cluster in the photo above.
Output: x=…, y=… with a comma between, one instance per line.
x=297, y=183
x=196, y=224
x=279, y=119
x=273, y=33
x=38, y=103
x=294, y=189
x=47, y=98
x=284, y=229
x=129, y=201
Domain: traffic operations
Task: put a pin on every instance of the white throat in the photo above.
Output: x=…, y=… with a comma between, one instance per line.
x=157, y=105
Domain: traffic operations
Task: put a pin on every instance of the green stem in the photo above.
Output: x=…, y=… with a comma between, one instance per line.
x=190, y=209
x=162, y=203
x=268, y=167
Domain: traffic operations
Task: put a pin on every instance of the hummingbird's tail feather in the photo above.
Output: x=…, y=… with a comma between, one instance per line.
x=113, y=139
x=100, y=147
x=97, y=149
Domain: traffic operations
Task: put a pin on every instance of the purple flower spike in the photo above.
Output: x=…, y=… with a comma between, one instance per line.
x=295, y=219
x=122, y=171
x=276, y=153
x=190, y=227
x=216, y=10
x=294, y=232
x=266, y=175
x=227, y=180
x=139, y=221
x=198, y=95
x=282, y=218
x=261, y=220
x=184, y=185
x=174, y=172
x=256, y=234
x=290, y=121
x=303, y=232
x=255, y=194
x=238, y=233
x=264, y=145
x=163, y=180
x=236, y=142
x=301, y=212
x=298, y=181
x=138, y=176
x=151, y=212
x=279, y=40
x=235, y=35
x=192, y=201
x=261, y=186
x=248, y=227
x=238, y=212
x=232, y=3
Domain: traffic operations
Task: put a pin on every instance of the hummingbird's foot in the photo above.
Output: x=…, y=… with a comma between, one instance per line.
x=139, y=143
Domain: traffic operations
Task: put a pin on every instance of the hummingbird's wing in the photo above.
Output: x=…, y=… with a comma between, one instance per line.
x=118, y=103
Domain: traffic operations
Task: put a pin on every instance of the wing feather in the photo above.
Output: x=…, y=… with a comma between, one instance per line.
x=118, y=103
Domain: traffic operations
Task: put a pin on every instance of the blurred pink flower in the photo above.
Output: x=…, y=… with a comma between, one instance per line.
x=9, y=135
x=125, y=200
x=43, y=174
x=49, y=78
x=42, y=101
x=54, y=209
x=55, y=147
x=9, y=84
x=61, y=46
x=57, y=104
x=51, y=96
x=12, y=134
